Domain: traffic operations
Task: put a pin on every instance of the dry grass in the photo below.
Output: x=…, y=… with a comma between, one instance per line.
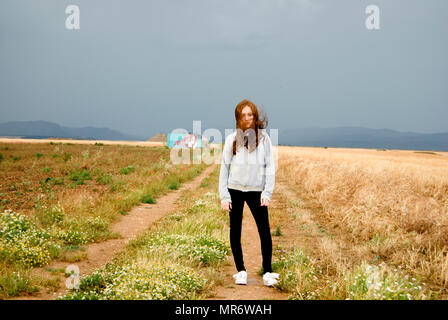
x=389, y=206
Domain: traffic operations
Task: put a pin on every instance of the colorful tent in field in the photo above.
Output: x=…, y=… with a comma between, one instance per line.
x=182, y=140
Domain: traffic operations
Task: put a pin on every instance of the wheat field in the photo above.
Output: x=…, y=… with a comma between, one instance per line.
x=387, y=206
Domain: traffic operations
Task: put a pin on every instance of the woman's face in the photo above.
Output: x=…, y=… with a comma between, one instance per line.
x=247, y=118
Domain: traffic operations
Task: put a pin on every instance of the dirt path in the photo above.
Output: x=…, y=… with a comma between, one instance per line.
x=255, y=289
x=129, y=226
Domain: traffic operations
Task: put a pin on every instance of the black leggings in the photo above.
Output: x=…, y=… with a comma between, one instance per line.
x=260, y=213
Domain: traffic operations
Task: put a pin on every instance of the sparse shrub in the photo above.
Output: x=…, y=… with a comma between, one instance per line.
x=51, y=181
x=79, y=175
x=174, y=185
x=127, y=170
x=147, y=198
x=66, y=156
x=277, y=232
x=96, y=224
x=72, y=236
x=104, y=179
x=117, y=186
x=58, y=181
x=14, y=283
x=51, y=216
x=81, y=231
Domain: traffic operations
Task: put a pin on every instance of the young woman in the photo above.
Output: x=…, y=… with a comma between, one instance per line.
x=248, y=175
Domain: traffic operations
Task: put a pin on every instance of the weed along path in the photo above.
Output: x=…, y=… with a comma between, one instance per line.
x=139, y=219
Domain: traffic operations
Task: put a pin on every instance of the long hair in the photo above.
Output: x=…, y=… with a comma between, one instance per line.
x=260, y=121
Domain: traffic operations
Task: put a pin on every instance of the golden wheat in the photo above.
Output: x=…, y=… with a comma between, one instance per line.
x=390, y=204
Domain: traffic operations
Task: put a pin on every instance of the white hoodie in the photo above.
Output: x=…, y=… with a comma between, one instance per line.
x=254, y=171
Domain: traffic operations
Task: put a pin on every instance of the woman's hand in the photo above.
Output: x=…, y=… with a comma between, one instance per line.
x=226, y=206
x=264, y=202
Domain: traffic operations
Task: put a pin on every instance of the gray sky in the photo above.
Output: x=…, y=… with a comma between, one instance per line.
x=144, y=67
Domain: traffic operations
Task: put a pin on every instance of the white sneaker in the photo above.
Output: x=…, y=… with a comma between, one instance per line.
x=240, y=277
x=270, y=279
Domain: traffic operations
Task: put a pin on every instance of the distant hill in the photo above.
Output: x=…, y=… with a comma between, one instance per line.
x=359, y=137
x=40, y=129
x=160, y=137
x=343, y=137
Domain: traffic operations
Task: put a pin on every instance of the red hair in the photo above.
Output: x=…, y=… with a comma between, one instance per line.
x=259, y=122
